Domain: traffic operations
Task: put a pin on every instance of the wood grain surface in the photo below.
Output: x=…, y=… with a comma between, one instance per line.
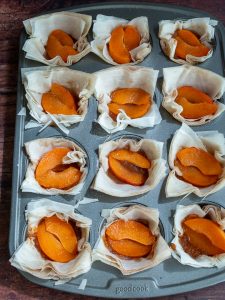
x=12, y=285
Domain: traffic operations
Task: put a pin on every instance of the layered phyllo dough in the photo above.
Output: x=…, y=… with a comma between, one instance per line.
x=190, y=94
x=130, y=239
x=56, y=244
x=199, y=236
x=125, y=97
x=129, y=167
x=57, y=38
x=58, y=96
x=197, y=163
x=56, y=166
x=187, y=41
x=119, y=41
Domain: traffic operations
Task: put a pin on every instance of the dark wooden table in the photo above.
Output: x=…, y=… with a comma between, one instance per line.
x=12, y=13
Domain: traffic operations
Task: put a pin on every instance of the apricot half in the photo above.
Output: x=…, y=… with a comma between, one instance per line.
x=195, y=103
x=194, y=176
x=52, y=173
x=187, y=44
x=123, y=39
x=210, y=230
x=130, y=96
x=63, y=231
x=134, y=101
x=126, y=167
x=200, y=159
x=53, y=242
x=60, y=43
x=130, y=230
x=59, y=100
x=128, y=248
x=135, y=158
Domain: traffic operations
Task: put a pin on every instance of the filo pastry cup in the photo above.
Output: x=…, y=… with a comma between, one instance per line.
x=27, y=256
x=150, y=216
x=39, y=28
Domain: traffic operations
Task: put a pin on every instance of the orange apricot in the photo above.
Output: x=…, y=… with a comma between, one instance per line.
x=52, y=173
x=209, y=229
x=51, y=245
x=133, y=111
x=195, y=110
x=59, y=100
x=204, y=161
x=183, y=49
x=188, y=37
x=60, y=43
x=193, y=95
x=127, y=172
x=128, y=248
x=135, y=158
x=62, y=37
x=117, y=49
x=194, y=176
x=132, y=37
x=123, y=40
x=63, y=231
x=130, y=96
x=130, y=230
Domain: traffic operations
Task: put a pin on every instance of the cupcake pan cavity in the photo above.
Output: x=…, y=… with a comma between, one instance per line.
x=169, y=277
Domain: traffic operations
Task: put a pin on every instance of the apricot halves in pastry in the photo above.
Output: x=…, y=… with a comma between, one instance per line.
x=57, y=239
x=59, y=100
x=128, y=169
x=121, y=42
x=60, y=43
x=195, y=103
x=52, y=173
x=187, y=44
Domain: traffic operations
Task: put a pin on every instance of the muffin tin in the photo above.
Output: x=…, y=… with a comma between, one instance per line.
x=169, y=277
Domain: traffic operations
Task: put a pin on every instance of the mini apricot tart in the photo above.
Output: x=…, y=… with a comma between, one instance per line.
x=125, y=97
x=187, y=41
x=197, y=163
x=199, y=236
x=57, y=166
x=58, y=96
x=130, y=239
x=129, y=167
x=119, y=41
x=57, y=38
x=191, y=94
x=56, y=246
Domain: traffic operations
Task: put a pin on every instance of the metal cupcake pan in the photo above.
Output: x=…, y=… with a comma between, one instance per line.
x=170, y=277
